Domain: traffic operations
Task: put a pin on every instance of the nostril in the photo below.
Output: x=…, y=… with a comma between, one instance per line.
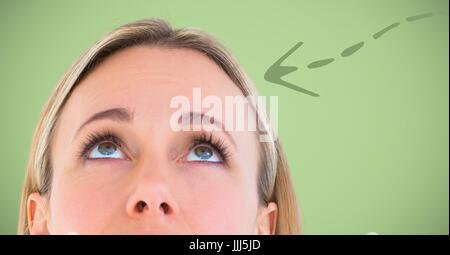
x=140, y=206
x=165, y=207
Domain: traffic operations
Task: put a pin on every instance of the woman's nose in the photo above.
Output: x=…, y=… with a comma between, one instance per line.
x=151, y=198
x=142, y=206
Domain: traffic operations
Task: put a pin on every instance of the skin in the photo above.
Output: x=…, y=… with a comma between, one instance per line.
x=154, y=188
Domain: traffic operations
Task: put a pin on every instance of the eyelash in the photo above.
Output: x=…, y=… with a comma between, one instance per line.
x=97, y=138
x=217, y=143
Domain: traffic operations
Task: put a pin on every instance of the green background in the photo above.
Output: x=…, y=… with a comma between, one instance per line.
x=369, y=155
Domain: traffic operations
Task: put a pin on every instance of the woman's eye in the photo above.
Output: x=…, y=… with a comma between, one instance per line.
x=106, y=150
x=204, y=152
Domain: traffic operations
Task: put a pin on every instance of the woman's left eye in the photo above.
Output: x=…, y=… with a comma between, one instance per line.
x=204, y=152
x=106, y=150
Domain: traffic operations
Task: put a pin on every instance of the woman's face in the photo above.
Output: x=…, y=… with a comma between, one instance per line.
x=119, y=167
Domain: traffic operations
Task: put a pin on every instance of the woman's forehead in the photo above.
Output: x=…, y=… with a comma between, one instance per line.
x=148, y=77
x=158, y=66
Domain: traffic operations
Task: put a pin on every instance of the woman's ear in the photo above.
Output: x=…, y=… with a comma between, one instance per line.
x=266, y=222
x=37, y=214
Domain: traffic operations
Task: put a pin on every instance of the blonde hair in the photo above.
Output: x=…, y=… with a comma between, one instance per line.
x=274, y=181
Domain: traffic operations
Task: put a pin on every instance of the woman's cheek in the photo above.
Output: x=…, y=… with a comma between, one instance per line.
x=83, y=205
x=217, y=207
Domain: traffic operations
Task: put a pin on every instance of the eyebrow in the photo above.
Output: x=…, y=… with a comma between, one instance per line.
x=193, y=115
x=115, y=114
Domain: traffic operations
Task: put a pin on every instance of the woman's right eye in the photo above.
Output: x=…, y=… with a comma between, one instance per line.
x=106, y=150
